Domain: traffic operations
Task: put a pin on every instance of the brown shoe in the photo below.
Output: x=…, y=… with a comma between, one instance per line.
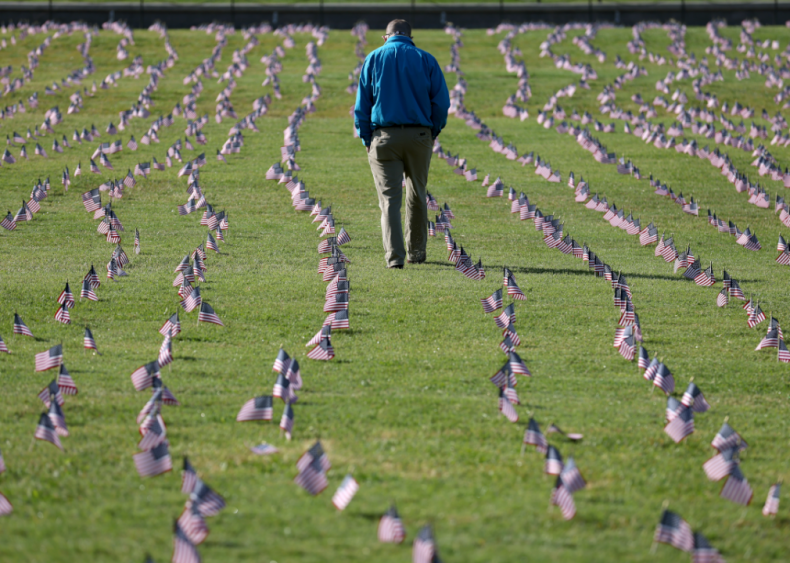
x=395, y=267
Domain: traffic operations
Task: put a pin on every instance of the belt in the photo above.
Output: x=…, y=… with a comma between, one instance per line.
x=404, y=126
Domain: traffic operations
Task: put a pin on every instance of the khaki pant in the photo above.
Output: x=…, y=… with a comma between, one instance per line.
x=393, y=152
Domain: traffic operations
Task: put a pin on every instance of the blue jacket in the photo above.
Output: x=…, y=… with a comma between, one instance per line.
x=400, y=85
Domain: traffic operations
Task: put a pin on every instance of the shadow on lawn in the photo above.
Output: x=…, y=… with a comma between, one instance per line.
x=568, y=271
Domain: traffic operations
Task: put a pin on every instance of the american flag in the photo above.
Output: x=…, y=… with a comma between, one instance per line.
x=756, y=317
x=727, y=438
x=205, y=499
x=46, y=430
x=553, y=465
x=752, y=243
x=5, y=506
x=783, y=354
x=492, y=302
x=62, y=315
x=93, y=278
x=142, y=377
x=153, y=462
x=8, y=222
x=675, y=531
x=49, y=359
x=184, y=551
x=343, y=237
x=628, y=348
x=24, y=214
x=663, y=378
x=391, y=528
x=643, y=358
x=506, y=407
x=152, y=430
x=282, y=361
x=87, y=291
x=264, y=449
x=189, y=477
x=721, y=465
x=562, y=497
x=287, y=420
x=313, y=477
x=166, y=351
x=681, y=426
x=513, y=290
x=703, y=551
x=207, y=314
x=167, y=396
x=193, y=525
x=58, y=419
x=192, y=301
x=282, y=389
x=20, y=327
x=535, y=437
x=424, y=547
x=694, y=399
x=132, y=144
x=572, y=477
x=51, y=391
x=737, y=488
x=735, y=290
x=504, y=376
x=92, y=200
x=337, y=302
x=294, y=375
x=172, y=325
x=348, y=488
x=211, y=244
x=723, y=298
x=322, y=351
x=65, y=382
x=3, y=348
x=774, y=324
x=772, y=502
x=257, y=408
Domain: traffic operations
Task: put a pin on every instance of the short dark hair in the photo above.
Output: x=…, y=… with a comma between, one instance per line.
x=399, y=27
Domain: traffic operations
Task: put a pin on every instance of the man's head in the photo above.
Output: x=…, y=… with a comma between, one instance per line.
x=398, y=27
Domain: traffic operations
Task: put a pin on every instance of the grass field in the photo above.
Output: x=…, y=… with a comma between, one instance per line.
x=406, y=405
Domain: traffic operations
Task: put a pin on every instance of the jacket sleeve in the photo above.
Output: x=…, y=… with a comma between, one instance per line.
x=364, y=105
x=440, y=99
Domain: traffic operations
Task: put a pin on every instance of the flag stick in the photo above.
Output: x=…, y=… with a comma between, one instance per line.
x=654, y=546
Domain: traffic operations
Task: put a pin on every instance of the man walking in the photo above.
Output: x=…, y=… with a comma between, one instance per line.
x=402, y=104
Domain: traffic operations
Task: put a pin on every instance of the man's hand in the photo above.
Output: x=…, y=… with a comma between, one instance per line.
x=367, y=148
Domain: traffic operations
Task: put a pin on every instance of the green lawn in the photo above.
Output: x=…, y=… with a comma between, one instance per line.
x=406, y=405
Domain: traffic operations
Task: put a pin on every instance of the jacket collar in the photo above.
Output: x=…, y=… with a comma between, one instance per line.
x=398, y=39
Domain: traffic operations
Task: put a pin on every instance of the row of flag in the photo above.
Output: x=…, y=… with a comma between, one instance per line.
x=736, y=488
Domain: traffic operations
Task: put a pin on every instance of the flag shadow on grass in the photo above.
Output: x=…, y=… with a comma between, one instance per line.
x=370, y=516
x=630, y=275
